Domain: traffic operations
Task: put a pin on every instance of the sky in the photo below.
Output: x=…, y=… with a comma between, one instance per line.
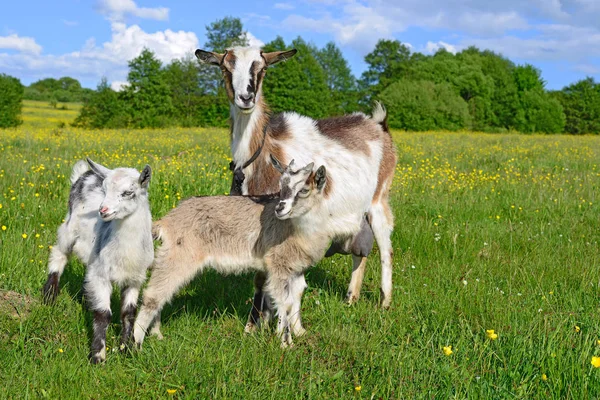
x=91, y=39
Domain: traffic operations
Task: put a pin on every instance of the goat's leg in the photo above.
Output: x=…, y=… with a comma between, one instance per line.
x=360, y=247
x=280, y=290
x=56, y=264
x=98, y=292
x=166, y=279
x=261, y=304
x=297, y=286
x=383, y=223
x=129, y=298
x=155, y=330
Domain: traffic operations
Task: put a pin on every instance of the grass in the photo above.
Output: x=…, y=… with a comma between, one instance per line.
x=492, y=232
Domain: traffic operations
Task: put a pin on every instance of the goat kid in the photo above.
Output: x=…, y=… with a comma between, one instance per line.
x=109, y=228
x=281, y=238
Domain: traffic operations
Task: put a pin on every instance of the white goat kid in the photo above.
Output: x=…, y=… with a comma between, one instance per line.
x=109, y=228
x=281, y=237
x=356, y=149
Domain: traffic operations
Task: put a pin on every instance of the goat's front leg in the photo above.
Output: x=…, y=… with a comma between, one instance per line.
x=297, y=286
x=129, y=298
x=98, y=292
x=280, y=289
x=261, y=305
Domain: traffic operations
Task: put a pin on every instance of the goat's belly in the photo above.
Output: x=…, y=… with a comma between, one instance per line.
x=227, y=265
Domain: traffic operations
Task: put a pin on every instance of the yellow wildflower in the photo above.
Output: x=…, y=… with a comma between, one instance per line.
x=544, y=377
x=171, y=391
x=598, y=341
x=577, y=329
x=358, y=388
x=448, y=350
x=491, y=334
x=24, y=236
x=596, y=362
x=61, y=351
x=3, y=227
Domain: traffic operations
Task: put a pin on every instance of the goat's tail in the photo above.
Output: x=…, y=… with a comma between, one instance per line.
x=379, y=115
x=80, y=168
x=156, y=231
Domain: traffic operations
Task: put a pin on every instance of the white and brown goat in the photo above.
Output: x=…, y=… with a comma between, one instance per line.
x=357, y=150
x=281, y=237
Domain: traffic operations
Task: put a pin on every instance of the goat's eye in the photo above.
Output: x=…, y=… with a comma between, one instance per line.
x=128, y=193
x=304, y=191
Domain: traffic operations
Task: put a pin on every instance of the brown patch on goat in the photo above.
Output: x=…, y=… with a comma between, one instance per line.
x=351, y=131
x=387, y=167
x=227, y=66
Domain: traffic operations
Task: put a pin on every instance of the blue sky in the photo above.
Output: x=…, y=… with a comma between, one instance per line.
x=91, y=39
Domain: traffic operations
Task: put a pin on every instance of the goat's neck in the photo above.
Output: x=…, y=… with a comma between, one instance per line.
x=247, y=131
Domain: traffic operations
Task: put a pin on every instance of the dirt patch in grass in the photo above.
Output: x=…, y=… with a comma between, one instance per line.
x=15, y=304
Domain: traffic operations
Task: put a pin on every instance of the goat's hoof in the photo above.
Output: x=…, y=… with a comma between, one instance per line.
x=351, y=298
x=97, y=359
x=250, y=328
x=299, y=331
x=50, y=289
x=157, y=334
x=386, y=301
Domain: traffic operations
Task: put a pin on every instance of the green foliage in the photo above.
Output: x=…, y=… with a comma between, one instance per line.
x=11, y=101
x=298, y=84
x=424, y=105
x=581, y=104
x=65, y=89
x=103, y=110
x=225, y=33
x=340, y=81
x=539, y=112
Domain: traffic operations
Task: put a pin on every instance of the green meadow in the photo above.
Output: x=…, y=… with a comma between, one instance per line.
x=492, y=232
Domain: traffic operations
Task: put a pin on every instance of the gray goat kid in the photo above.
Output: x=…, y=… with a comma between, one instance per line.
x=280, y=236
x=109, y=228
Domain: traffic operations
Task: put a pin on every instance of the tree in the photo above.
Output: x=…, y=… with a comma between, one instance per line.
x=581, y=104
x=147, y=95
x=389, y=62
x=340, y=81
x=11, y=101
x=539, y=113
x=298, y=84
x=225, y=33
x=103, y=109
x=424, y=105
x=183, y=80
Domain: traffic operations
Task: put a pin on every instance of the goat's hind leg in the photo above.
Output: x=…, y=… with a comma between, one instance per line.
x=261, y=311
x=297, y=286
x=57, y=261
x=383, y=223
x=129, y=298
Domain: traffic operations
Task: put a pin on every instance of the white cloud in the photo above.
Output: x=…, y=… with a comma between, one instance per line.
x=433, y=47
x=253, y=40
x=22, y=44
x=117, y=10
x=284, y=6
x=108, y=59
x=118, y=85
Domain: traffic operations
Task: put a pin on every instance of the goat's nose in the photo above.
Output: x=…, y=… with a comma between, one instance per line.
x=280, y=206
x=103, y=210
x=247, y=98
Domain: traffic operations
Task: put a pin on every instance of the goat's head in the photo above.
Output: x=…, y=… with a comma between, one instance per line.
x=122, y=187
x=243, y=71
x=300, y=188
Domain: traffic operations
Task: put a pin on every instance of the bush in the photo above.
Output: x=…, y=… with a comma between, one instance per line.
x=11, y=101
x=424, y=105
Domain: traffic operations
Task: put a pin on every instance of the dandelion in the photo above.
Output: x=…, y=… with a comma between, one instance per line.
x=577, y=329
x=448, y=350
x=491, y=334
x=24, y=236
x=171, y=391
x=61, y=351
x=3, y=227
x=544, y=377
x=596, y=362
x=358, y=388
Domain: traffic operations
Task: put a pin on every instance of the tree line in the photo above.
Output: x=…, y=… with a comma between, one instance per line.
x=471, y=90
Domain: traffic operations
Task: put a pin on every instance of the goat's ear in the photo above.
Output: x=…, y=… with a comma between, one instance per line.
x=307, y=169
x=208, y=57
x=277, y=164
x=278, y=56
x=321, y=177
x=98, y=169
x=145, y=176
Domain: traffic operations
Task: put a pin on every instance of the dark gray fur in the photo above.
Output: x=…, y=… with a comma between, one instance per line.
x=82, y=187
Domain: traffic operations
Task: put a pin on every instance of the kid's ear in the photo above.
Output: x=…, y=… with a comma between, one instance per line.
x=321, y=177
x=145, y=176
x=277, y=164
x=98, y=169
